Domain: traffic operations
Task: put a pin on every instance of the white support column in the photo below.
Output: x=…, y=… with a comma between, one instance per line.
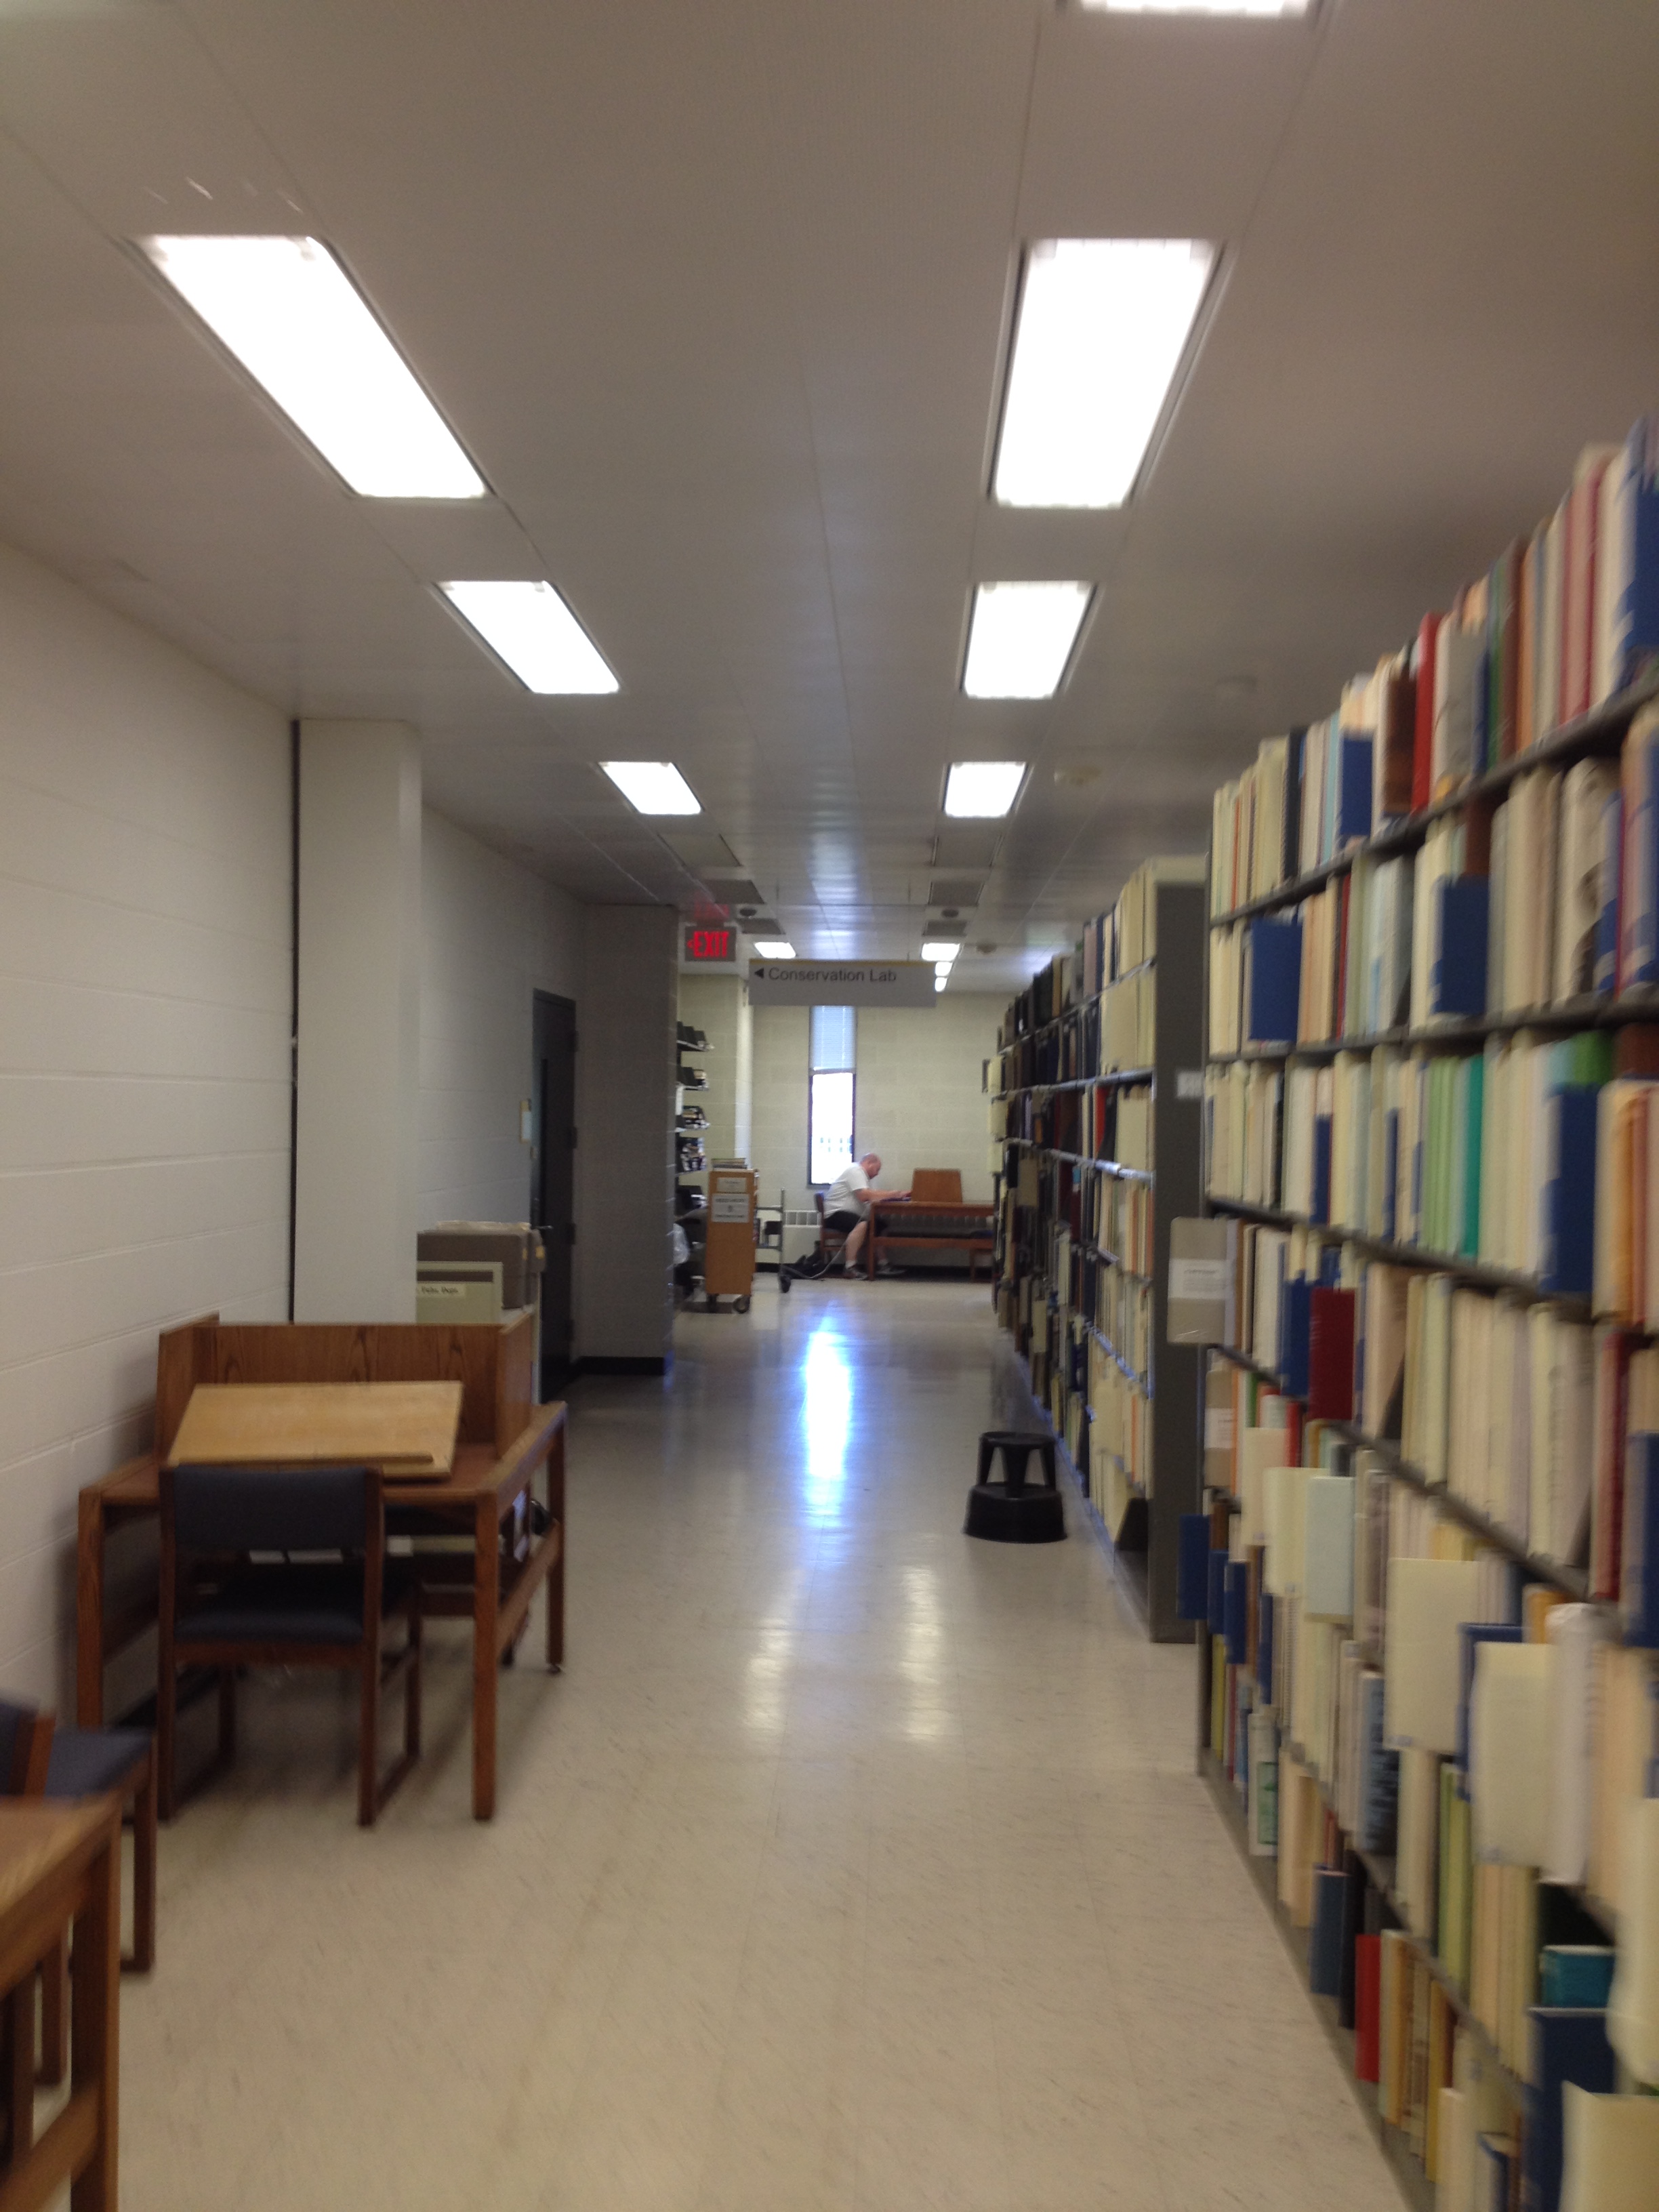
x=358, y=1026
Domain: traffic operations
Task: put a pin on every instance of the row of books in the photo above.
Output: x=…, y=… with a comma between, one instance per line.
x=1111, y=1122
x=1563, y=620
x=1110, y=1031
x=1117, y=943
x=1494, y=1156
x=1552, y=900
x=1484, y=1734
x=1536, y=1422
x=1079, y=1309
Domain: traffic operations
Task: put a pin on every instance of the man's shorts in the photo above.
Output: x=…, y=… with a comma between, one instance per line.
x=842, y=1222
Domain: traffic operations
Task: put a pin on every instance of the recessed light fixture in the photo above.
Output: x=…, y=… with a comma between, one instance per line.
x=1103, y=326
x=289, y=313
x=1020, y=638
x=775, y=948
x=1198, y=7
x=983, y=790
x=941, y=951
x=939, y=981
x=529, y=626
x=653, y=787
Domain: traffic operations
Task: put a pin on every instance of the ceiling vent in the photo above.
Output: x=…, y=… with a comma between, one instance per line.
x=955, y=891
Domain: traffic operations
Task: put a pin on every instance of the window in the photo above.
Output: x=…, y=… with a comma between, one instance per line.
x=829, y=1097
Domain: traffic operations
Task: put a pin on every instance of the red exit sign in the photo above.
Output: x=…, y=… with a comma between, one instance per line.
x=710, y=945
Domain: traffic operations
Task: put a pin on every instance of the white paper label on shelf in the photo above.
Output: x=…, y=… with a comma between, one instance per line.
x=1189, y=1084
x=1198, y=1278
x=734, y=1208
x=1219, y=1428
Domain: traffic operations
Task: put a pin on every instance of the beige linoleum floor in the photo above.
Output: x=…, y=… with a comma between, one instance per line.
x=848, y=1864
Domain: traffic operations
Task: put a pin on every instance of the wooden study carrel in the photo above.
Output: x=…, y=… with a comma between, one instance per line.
x=406, y=1429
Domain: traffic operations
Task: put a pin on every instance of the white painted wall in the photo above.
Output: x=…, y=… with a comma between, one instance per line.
x=144, y=1010
x=918, y=1100
x=492, y=935
x=358, y=1034
x=624, y=1118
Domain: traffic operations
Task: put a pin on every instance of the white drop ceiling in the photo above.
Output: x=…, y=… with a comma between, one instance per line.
x=715, y=292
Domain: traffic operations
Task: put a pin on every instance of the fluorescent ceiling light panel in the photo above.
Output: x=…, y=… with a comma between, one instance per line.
x=774, y=948
x=1198, y=7
x=653, y=787
x=529, y=626
x=1104, y=324
x=300, y=326
x=940, y=983
x=941, y=951
x=983, y=790
x=1020, y=639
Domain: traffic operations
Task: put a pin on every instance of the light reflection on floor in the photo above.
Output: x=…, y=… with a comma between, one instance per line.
x=826, y=1421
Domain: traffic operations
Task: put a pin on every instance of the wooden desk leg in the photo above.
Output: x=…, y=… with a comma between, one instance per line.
x=486, y=1586
x=17, y=2073
x=143, y=1873
x=54, y=2014
x=96, y=2023
x=556, y=1573
x=90, y=1611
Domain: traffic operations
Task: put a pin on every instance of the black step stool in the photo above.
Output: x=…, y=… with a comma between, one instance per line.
x=1012, y=1511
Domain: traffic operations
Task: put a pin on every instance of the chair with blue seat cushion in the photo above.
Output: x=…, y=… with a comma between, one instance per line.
x=243, y=1585
x=38, y=1760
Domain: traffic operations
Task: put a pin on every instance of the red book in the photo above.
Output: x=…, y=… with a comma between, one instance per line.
x=1367, y=2007
x=1428, y=637
x=1330, y=1355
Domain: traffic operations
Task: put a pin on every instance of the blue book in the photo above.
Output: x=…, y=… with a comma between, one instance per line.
x=1457, y=972
x=1471, y=1634
x=1606, y=922
x=1322, y=1168
x=1391, y=1174
x=1264, y=1647
x=1192, y=1568
x=1295, y=1310
x=1569, y=1192
x=1379, y=1773
x=1638, y=881
x=1218, y=1614
x=1353, y=792
x=1235, y=1612
x=1325, y=1934
x=1634, y=530
x=1565, y=2046
x=1274, y=952
x=1578, y=1975
x=1638, y=1571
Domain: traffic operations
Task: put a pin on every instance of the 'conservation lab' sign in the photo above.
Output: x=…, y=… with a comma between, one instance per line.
x=841, y=983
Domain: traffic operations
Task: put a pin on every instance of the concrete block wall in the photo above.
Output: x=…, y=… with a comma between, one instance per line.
x=918, y=1099
x=144, y=1068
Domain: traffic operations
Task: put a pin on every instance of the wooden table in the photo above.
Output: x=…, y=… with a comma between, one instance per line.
x=60, y=1868
x=482, y=1492
x=934, y=1225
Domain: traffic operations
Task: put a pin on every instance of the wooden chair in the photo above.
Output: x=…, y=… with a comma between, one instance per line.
x=222, y=1609
x=936, y=1186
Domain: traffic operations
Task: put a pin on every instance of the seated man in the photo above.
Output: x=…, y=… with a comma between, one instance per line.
x=847, y=1205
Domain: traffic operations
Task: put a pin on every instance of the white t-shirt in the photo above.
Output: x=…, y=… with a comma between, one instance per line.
x=842, y=1196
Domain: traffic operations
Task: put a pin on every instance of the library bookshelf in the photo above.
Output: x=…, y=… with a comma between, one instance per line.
x=1431, y=1047
x=1095, y=1098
